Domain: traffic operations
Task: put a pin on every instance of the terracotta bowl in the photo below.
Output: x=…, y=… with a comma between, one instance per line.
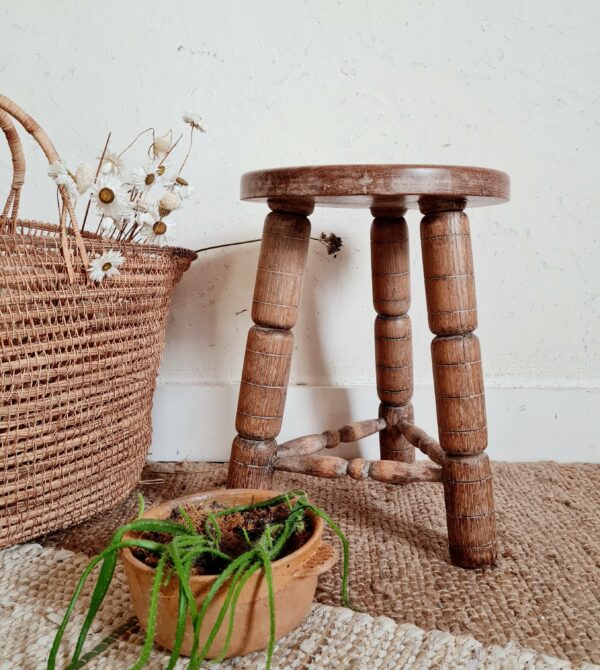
x=294, y=579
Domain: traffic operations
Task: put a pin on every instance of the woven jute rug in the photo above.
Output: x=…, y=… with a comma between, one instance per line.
x=544, y=593
x=33, y=602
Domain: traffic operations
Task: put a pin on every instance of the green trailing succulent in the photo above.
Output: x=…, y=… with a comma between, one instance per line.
x=177, y=557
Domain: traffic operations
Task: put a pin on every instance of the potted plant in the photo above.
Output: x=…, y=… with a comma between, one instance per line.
x=216, y=574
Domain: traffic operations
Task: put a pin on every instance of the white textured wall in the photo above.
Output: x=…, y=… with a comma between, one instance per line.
x=512, y=84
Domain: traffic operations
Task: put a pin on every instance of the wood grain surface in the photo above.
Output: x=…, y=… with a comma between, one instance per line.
x=390, y=277
x=332, y=467
x=458, y=384
x=270, y=342
x=388, y=187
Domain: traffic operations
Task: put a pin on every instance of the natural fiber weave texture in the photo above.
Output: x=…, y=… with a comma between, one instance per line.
x=544, y=593
x=79, y=359
x=32, y=602
x=78, y=371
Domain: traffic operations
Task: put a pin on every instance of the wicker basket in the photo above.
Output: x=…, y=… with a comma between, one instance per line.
x=79, y=360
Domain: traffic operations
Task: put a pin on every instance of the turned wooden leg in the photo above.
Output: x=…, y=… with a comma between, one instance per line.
x=269, y=348
x=458, y=382
x=390, y=267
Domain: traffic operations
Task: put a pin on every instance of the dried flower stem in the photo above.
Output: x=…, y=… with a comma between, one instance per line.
x=59, y=203
x=151, y=147
x=99, y=224
x=323, y=240
x=132, y=232
x=137, y=137
x=87, y=209
x=170, y=150
x=229, y=244
x=134, y=196
x=189, y=150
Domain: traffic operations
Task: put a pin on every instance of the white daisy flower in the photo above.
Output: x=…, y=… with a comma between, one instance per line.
x=110, y=196
x=182, y=188
x=168, y=180
x=162, y=145
x=158, y=232
x=84, y=177
x=62, y=177
x=168, y=203
x=144, y=211
x=148, y=175
x=194, y=120
x=106, y=265
x=112, y=163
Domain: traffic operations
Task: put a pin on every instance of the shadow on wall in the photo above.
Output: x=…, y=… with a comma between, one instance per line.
x=208, y=325
x=210, y=317
x=318, y=298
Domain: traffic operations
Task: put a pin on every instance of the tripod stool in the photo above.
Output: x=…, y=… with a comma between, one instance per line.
x=441, y=193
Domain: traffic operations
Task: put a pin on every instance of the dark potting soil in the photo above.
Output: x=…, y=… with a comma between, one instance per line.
x=233, y=542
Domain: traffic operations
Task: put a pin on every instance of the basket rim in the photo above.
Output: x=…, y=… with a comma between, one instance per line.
x=90, y=238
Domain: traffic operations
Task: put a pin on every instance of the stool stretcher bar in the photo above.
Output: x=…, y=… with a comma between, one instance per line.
x=422, y=441
x=313, y=444
x=332, y=467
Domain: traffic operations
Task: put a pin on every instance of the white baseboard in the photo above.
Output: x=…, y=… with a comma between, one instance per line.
x=194, y=421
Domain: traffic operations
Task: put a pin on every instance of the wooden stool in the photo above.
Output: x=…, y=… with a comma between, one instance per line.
x=441, y=193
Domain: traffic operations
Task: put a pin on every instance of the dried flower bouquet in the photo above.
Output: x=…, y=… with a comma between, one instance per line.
x=133, y=204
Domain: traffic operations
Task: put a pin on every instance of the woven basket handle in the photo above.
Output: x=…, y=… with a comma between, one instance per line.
x=18, y=161
x=38, y=133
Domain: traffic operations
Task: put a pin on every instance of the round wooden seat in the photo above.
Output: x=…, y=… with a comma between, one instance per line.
x=380, y=187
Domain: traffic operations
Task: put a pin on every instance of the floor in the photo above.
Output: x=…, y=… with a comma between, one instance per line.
x=544, y=592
